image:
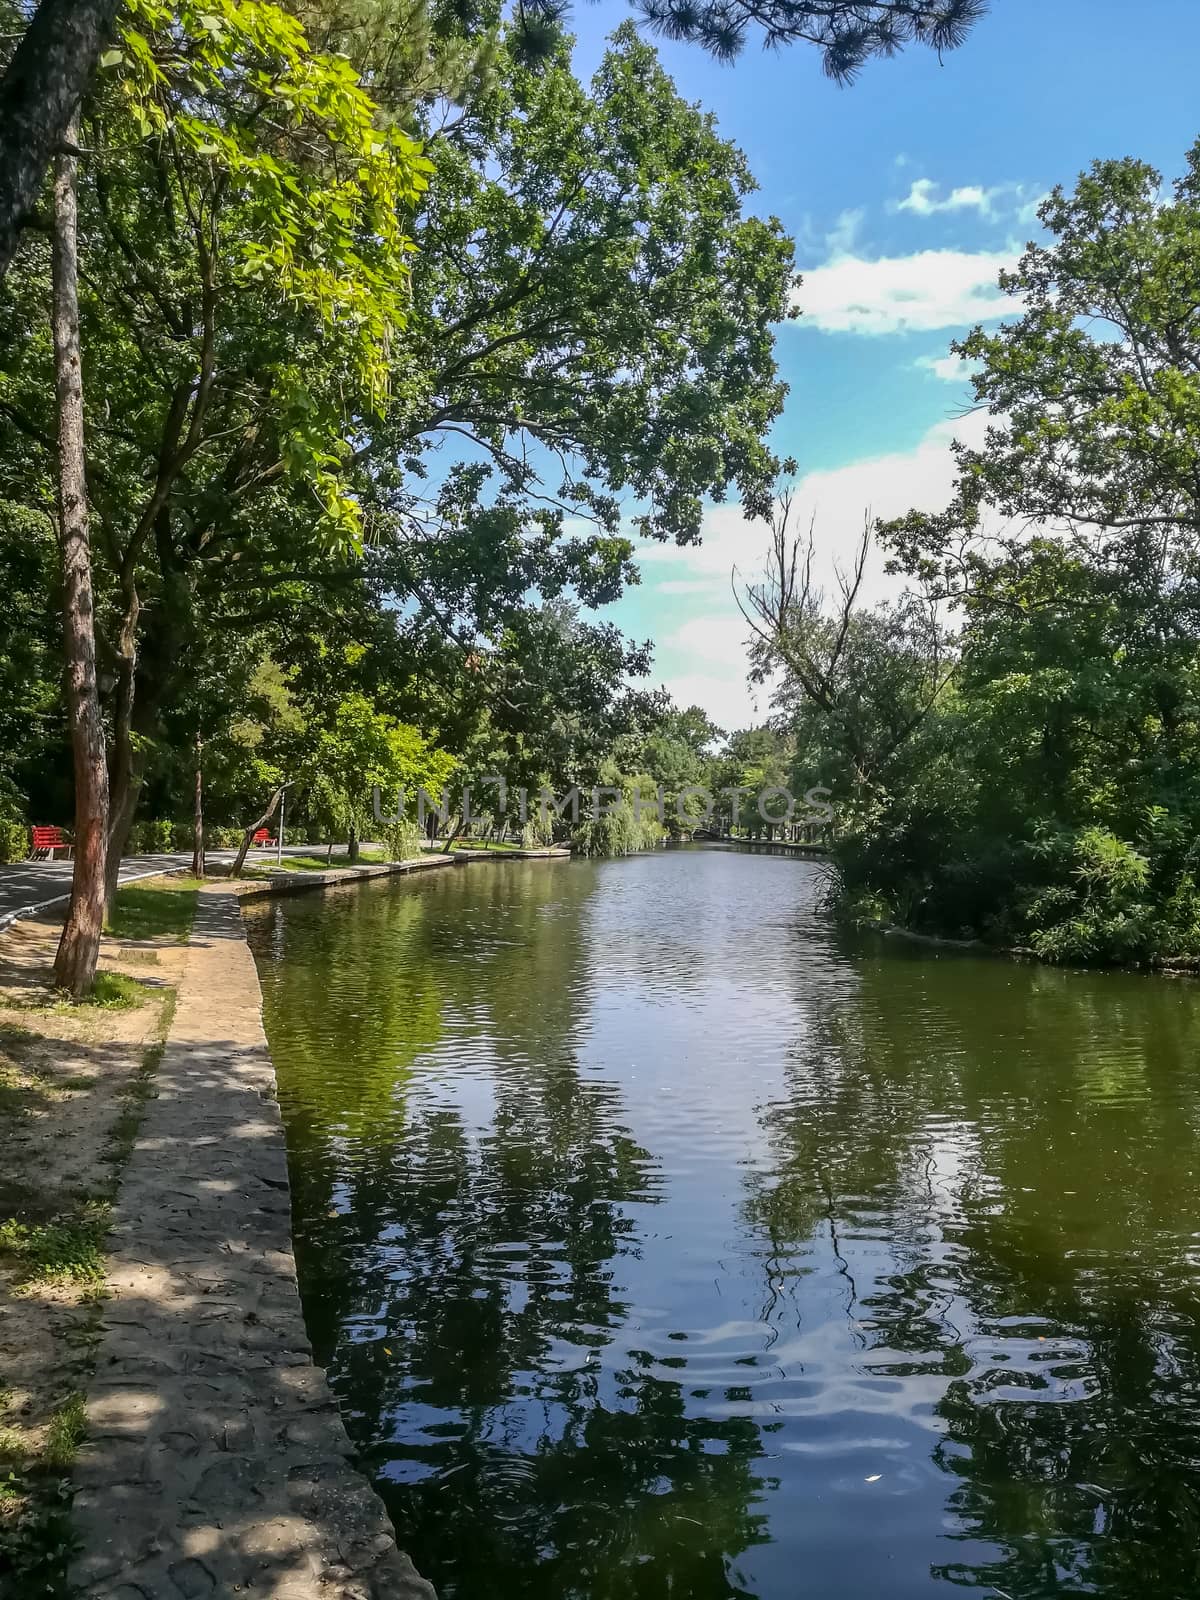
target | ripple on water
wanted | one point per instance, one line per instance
(660, 1244)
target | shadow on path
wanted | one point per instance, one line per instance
(217, 1461)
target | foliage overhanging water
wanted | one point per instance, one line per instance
(660, 1244)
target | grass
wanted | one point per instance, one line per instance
(124, 1130)
(68, 1249)
(65, 1434)
(14, 1091)
(495, 844)
(111, 991)
(155, 910)
(116, 992)
(53, 1249)
(367, 858)
(36, 1537)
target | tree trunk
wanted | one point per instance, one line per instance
(239, 860)
(459, 825)
(127, 764)
(198, 815)
(39, 97)
(352, 844)
(75, 963)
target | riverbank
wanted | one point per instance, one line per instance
(173, 1344)
(1177, 966)
(216, 1458)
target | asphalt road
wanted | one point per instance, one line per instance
(26, 886)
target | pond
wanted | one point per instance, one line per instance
(662, 1243)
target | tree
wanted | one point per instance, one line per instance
(32, 727)
(258, 290)
(846, 32)
(629, 244)
(40, 93)
(1094, 387)
(871, 676)
(1054, 803)
(361, 750)
(594, 311)
(75, 962)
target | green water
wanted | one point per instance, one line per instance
(660, 1245)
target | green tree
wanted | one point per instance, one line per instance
(258, 290)
(1053, 801)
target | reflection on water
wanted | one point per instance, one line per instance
(661, 1246)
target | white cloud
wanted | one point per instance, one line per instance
(837, 498)
(689, 586)
(729, 701)
(904, 294)
(1020, 201)
(922, 199)
(950, 369)
(718, 638)
(1028, 213)
(841, 238)
(702, 659)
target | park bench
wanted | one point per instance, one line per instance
(47, 840)
(263, 839)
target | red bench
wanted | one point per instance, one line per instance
(47, 840)
(263, 838)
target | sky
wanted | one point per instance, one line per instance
(905, 194)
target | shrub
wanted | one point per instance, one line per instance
(151, 839)
(14, 825)
(222, 838)
(401, 839)
(1094, 908)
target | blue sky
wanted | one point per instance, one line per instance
(904, 195)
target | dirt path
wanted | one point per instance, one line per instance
(71, 1082)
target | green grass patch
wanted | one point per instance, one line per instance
(115, 992)
(68, 1249)
(367, 858)
(162, 910)
(36, 1537)
(494, 845)
(15, 1094)
(66, 1432)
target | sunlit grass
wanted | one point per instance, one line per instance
(68, 1249)
(315, 863)
(155, 910)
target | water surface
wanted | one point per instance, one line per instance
(660, 1245)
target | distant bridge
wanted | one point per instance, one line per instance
(717, 841)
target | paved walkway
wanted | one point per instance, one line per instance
(29, 886)
(217, 1460)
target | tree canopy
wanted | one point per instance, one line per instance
(1046, 794)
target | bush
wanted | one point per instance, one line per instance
(1095, 907)
(14, 838)
(151, 839)
(14, 825)
(401, 839)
